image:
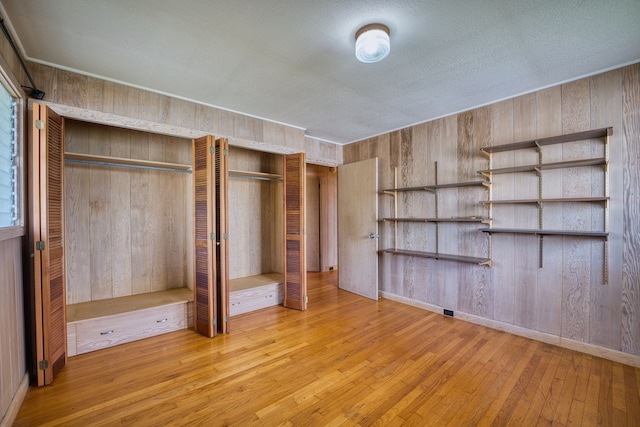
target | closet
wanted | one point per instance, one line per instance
(255, 212)
(128, 222)
(130, 234)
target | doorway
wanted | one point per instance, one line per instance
(321, 217)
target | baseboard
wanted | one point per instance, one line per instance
(14, 407)
(594, 350)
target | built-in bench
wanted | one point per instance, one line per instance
(255, 292)
(100, 324)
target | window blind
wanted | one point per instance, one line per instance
(8, 160)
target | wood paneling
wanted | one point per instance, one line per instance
(87, 98)
(121, 219)
(564, 293)
(255, 215)
(631, 216)
(12, 357)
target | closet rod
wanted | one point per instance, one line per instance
(124, 165)
(259, 178)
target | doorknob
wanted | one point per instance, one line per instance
(374, 236)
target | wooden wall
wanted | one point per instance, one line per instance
(567, 297)
(255, 215)
(93, 99)
(13, 348)
(128, 231)
(12, 353)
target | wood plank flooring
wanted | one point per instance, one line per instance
(346, 361)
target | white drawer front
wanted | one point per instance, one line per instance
(95, 334)
(256, 298)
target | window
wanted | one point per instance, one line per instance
(9, 161)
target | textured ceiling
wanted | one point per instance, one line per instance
(292, 61)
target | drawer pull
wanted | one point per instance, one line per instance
(107, 332)
(162, 320)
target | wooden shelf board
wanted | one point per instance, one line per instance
(125, 161)
(534, 143)
(461, 219)
(439, 256)
(545, 166)
(537, 232)
(109, 307)
(438, 186)
(251, 174)
(242, 283)
(551, 200)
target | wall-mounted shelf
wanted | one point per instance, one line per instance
(550, 200)
(546, 166)
(560, 139)
(433, 188)
(539, 201)
(439, 256)
(482, 220)
(125, 162)
(538, 232)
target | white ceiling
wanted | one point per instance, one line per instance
(292, 61)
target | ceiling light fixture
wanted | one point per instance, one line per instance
(372, 43)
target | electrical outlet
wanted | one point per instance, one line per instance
(448, 312)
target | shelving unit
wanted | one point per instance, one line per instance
(540, 200)
(433, 189)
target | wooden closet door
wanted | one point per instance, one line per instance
(211, 228)
(204, 299)
(295, 268)
(222, 233)
(47, 237)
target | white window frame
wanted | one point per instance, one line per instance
(13, 87)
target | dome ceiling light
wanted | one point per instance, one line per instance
(372, 43)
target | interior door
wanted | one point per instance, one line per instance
(221, 153)
(211, 227)
(47, 239)
(295, 260)
(205, 297)
(358, 228)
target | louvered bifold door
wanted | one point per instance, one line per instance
(48, 242)
(222, 233)
(204, 301)
(295, 277)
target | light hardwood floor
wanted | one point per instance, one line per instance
(345, 361)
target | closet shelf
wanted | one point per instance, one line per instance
(125, 162)
(437, 187)
(479, 219)
(255, 175)
(536, 232)
(545, 166)
(439, 256)
(535, 143)
(550, 200)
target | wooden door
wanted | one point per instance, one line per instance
(358, 228)
(295, 268)
(211, 291)
(221, 165)
(47, 240)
